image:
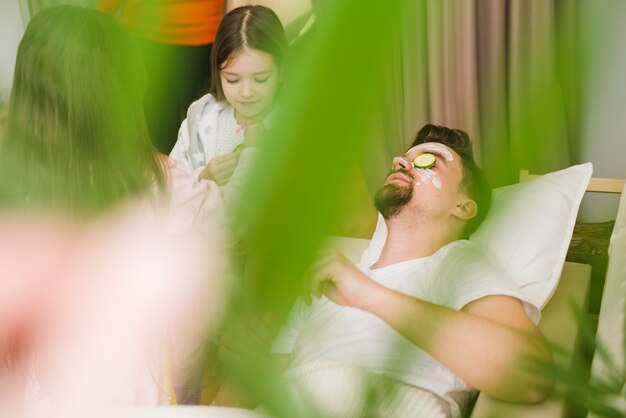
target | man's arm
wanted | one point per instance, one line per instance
(484, 344)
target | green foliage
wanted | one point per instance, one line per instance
(333, 93)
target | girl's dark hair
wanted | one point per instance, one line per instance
(474, 183)
(76, 137)
(254, 27)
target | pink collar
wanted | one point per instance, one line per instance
(243, 125)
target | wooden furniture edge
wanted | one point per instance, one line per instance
(596, 184)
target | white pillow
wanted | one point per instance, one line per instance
(527, 230)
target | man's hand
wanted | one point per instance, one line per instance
(219, 169)
(337, 278)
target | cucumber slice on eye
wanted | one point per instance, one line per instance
(424, 161)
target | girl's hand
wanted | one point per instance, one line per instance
(253, 133)
(219, 169)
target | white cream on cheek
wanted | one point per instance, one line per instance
(435, 178)
(428, 176)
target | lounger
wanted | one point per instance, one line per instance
(559, 324)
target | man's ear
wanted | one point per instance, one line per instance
(465, 208)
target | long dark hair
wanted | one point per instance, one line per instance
(76, 137)
(255, 27)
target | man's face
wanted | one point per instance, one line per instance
(433, 190)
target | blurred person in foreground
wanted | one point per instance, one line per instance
(429, 322)
(110, 260)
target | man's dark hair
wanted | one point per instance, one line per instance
(474, 183)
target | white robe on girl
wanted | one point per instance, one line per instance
(208, 124)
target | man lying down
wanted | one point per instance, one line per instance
(432, 319)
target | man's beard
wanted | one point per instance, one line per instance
(390, 198)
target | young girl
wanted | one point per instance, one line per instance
(246, 61)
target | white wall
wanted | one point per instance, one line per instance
(287, 10)
(11, 30)
(604, 100)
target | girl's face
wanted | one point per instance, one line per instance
(249, 82)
